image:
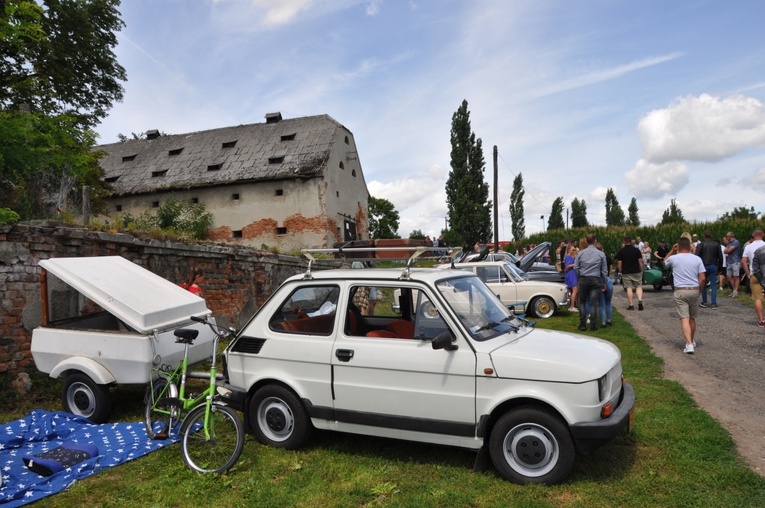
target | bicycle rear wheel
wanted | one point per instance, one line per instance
(216, 450)
(160, 420)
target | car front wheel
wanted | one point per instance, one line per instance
(278, 418)
(532, 445)
(82, 396)
(543, 307)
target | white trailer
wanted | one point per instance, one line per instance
(107, 321)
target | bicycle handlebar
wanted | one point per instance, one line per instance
(223, 332)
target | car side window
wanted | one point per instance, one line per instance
(308, 310)
(491, 274)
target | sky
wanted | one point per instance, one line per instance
(655, 99)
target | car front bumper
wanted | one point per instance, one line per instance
(589, 436)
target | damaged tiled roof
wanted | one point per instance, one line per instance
(274, 150)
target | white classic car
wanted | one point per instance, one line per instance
(106, 320)
(538, 298)
(451, 365)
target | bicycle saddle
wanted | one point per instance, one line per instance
(185, 335)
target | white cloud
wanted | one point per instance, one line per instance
(703, 128)
(651, 180)
(280, 12)
(373, 7)
(758, 179)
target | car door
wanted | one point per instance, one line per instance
(403, 383)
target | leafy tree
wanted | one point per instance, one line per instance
(633, 219)
(614, 212)
(184, 218)
(44, 161)
(383, 218)
(516, 209)
(58, 58)
(556, 215)
(450, 238)
(417, 234)
(673, 214)
(467, 194)
(740, 212)
(579, 213)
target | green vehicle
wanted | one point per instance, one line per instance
(658, 277)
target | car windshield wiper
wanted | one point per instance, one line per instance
(492, 324)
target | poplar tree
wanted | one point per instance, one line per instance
(633, 219)
(579, 213)
(556, 215)
(467, 194)
(516, 209)
(614, 212)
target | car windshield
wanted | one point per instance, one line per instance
(517, 272)
(480, 312)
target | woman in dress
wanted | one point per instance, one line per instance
(572, 281)
(646, 255)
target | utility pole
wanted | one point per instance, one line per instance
(496, 204)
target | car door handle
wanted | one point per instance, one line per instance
(344, 355)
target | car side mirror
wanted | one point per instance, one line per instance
(445, 341)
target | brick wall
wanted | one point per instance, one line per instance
(238, 279)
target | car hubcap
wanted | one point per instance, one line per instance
(275, 419)
(530, 450)
(81, 399)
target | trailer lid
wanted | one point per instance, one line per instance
(143, 300)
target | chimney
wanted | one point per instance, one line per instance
(152, 134)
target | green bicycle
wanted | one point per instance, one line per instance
(212, 434)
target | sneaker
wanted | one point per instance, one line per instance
(640, 305)
(570, 309)
(693, 344)
(609, 324)
(714, 305)
(703, 305)
(734, 294)
(593, 328)
(761, 324)
(630, 307)
(582, 328)
(689, 349)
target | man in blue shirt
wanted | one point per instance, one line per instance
(591, 268)
(733, 271)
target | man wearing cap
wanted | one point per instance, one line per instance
(690, 275)
(661, 252)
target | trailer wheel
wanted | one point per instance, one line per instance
(82, 396)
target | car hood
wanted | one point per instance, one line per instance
(533, 256)
(547, 355)
(143, 300)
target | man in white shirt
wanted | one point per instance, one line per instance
(690, 276)
(746, 263)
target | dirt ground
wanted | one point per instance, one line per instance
(726, 375)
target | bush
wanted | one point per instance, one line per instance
(7, 215)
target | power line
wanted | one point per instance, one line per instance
(524, 187)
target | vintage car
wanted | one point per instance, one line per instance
(538, 298)
(451, 366)
(107, 321)
(529, 267)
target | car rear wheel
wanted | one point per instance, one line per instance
(278, 418)
(532, 445)
(542, 307)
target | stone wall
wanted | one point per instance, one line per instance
(238, 279)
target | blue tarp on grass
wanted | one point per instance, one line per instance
(41, 431)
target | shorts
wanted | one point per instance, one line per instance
(756, 288)
(733, 270)
(632, 280)
(687, 303)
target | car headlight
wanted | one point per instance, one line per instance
(602, 388)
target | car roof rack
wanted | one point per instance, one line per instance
(416, 253)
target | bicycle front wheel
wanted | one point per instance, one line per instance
(215, 448)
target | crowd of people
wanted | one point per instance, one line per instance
(700, 268)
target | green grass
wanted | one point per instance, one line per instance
(677, 456)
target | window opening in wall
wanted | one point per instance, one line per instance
(337, 193)
(155, 174)
(281, 231)
(347, 141)
(353, 173)
(127, 158)
(155, 204)
(214, 167)
(235, 196)
(236, 234)
(276, 160)
(279, 192)
(177, 151)
(112, 179)
(230, 144)
(342, 166)
(195, 200)
(118, 208)
(288, 137)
